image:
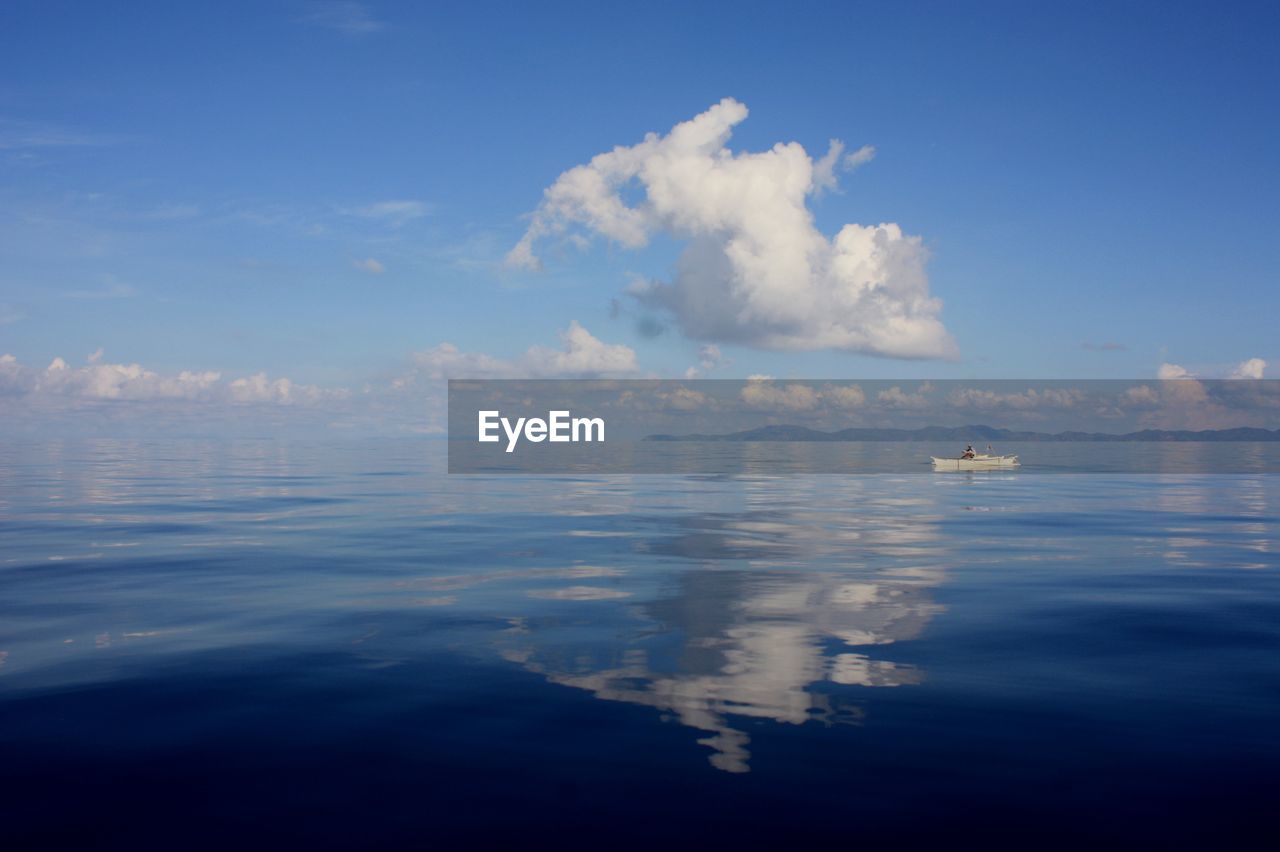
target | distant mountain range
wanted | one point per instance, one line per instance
(975, 434)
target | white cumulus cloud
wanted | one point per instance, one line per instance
(755, 270)
(762, 393)
(1028, 400)
(104, 381)
(1141, 396)
(896, 398)
(1173, 371)
(1251, 369)
(581, 355)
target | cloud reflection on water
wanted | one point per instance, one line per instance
(777, 604)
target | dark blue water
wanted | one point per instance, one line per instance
(264, 643)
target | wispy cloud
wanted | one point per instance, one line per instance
(171, 212)
(709, 358)
(10, 314)
(860, 157)
(17, 134)
(111, 288)
(370, 265)
(394, 213)
(824, 169)
(351, 19)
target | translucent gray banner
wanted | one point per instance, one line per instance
(766, 426)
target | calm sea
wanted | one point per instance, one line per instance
(336, 644)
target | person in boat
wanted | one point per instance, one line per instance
(968, 452)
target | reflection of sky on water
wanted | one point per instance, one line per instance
(720, 603)
(741, 649)
(753, 631)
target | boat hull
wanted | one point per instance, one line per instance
(981, 462)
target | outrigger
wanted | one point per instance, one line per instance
(970, 460)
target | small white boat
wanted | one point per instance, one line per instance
(979, 461)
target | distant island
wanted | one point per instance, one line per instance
(976, 433)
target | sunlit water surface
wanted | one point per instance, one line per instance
(341, 645)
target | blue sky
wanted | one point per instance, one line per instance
(319, 190)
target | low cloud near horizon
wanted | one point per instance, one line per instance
(100, 393)
(581, 356)
(755, 270)
(1253, 368)
(98, 380)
